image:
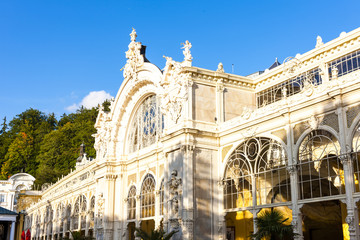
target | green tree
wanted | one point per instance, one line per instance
(21, 143)
(158, 234)
(271, 225)
(5, 141)
(19, 156)
(60, 148)
(4, 126)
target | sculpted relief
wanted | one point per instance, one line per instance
(174, 86)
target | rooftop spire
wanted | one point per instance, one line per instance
(133, 35)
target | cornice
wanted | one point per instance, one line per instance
(212, 78)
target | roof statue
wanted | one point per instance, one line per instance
(133, 35)
(220, 68)
(319, 42)
(187, 54)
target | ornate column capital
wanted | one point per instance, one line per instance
(292, 169)
(345, 158)
(187, 148)
(220, 85)
(111, 176)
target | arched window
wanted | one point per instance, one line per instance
(131, 203)
(237, 189)
(162, 198)
(147, 197)
(261, 161)
(80, 208)
(321, 173)
(272, 179)
(147, 125)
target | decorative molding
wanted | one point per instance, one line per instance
(174, 86)
(313, 122)
(134, 58)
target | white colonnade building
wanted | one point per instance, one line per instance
(205, 151)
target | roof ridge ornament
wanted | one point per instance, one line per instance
(220, 68)
(133, 35)
(187, 54)
(319, 42)
(134, 58)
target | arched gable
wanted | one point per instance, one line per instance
(112, 127)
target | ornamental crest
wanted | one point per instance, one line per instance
(174, 89)
(134, 58)
(292, 66)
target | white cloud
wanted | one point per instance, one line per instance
(72, 108)
(91, 100)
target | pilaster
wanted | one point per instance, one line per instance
(346, 160)
(109, 195)
(220, 100)
(188, 191)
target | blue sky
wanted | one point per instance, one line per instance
(55, 53)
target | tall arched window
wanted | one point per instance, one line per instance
(147, 125)
(237, 191)
(80, 212)
(147, 197)
(60, 214)
(131, 207)
(68, 217)
(321, 173)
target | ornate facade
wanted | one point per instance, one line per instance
(203, 151)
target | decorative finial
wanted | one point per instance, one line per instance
(133, 35)
(220, 68)
(319, 42)
(186, 46)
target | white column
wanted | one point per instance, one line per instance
(166, 192)
(109, 195)
(137, 212)
(346, 160)
(12, 231)
(188, 192)
(157, 209)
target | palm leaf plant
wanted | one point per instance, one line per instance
(271, 225)
(157, 234)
